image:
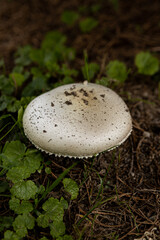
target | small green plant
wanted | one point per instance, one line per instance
(96, 7)
(117, 71)
(69, 17)
(89, 70)
(19, 163)
(146, 63)
(86, 25)
(71, 187)
(93, 69)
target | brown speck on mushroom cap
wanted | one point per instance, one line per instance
(101, 121)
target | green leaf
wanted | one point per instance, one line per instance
(146, 63)
(71, 187)
(14, 106)
(10, 235)
(32, 160)
(6, 86)
(57, 229)
(115, 4)
(22, 223)
(117, 70)
(43, 220)
(20, 116)
(64, 203)
(43, 238)
(20, 207)
(54, 209)
(35, 87)
(37, 56)
(103, 81)
(69, 17)
(67, 71)
(17, 78)
(12, 153)
(24, 163)
(65, 237)
(24, 190)
(5, 101)
(52, 39)
(22, 56)
(5, 222)
(41, 189)
(2, 63)
(93, 69)
(16, 174)
(88, 24)
(48, 170)
(96, 7)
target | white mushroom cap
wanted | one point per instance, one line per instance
(77, 120)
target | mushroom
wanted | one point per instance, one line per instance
(77, 120)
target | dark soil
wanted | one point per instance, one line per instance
(133, 206)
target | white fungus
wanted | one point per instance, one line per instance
(77, 120)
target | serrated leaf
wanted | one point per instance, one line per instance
(146, 63)
(41, 189)
(10, 235)
(20, 207)
(12, 153)
(57, 229)
(117, 70)
(43, 220)
(22, 223)
(64, 203)
(88, 24)
(24, 190)
(32, 160)
(71, 187)
(16, 174)
(54, 209)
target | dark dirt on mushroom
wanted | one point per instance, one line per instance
(136, 173)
